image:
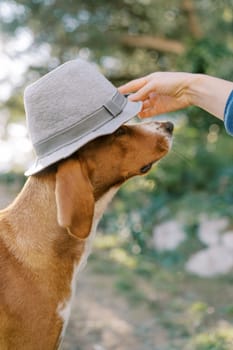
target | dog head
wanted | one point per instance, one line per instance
(106, 163)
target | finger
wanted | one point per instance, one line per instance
(132, 86)
(146, 104)
(144, 114)
(147, 113)
(143, 93)
(151, 108)
(148, 108)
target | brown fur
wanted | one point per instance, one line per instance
(42, 233)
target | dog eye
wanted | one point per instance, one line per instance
(146, 168)
(121, 131)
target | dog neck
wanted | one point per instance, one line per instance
(36, 234)
(34, 227)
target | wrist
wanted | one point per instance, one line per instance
(209, 93)
(194, 88)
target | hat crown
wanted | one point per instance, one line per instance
(64, 97)
(69, 107)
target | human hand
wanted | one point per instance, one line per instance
(161, 92)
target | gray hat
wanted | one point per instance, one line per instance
(69, 107)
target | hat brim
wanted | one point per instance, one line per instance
(131, 110)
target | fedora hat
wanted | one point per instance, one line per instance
(70, 106)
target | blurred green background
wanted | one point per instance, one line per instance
(191, 188)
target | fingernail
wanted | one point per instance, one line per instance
(131, 97)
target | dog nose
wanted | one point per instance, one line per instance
(169, 127)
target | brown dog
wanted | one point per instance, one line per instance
(45, 235)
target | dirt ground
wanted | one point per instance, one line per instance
(101, 319)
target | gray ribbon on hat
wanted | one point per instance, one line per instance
(110, 110)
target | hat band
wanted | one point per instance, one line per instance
(110, 110)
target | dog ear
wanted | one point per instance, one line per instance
(74, 198)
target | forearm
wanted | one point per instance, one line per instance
(209, 93)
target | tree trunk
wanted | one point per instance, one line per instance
(193, 20)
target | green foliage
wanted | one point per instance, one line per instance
(10, 179)
(195, 178)
(197, 175)
(96, 29)
(219, 340)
